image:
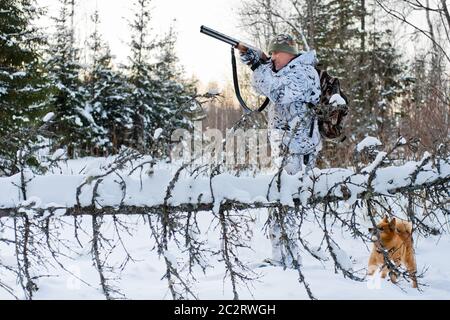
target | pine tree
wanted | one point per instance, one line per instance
(376, 78)
(366, 62)
(172, 91)
(107, 96)
(317, 25)
(22, 79)
(142, 94)
(73, 122)
(341, 36)
(157, 88)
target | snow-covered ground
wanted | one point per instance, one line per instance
(142, 277)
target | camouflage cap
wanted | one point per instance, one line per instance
(284, 43)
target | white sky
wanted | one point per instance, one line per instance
(199, 54)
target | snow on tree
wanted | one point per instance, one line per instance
(170, 199)
(173, 91)
(106, 97)
(22, 78)
(157, 90)
(142, 81)
(73, 123)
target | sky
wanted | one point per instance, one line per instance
(199, 54)
(206, 58)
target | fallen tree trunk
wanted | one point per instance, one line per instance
(170, 200)
(340, 191)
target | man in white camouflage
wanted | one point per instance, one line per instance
(292, 84)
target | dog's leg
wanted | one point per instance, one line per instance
(412, 275)
(411, 267)
(371, 269)
(384, 272)
(409, 261)
(374, 262)
(393, 276)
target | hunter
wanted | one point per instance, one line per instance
(292, 84)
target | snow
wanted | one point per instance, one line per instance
(402, 141)
(150, 190)
(78, 122)
(171, 258)
(59, 153)
(341, 256)
(10, 193)
(86, 113)
(336, 99)
(143, 277)
(157, 133)
(48, 117)
(19, 74)
(57, 189)
(214, 91)
(373, 165)
(32, 201)
(368, 142)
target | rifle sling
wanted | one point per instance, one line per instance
(238, 91)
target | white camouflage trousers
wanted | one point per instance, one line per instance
(283, 235)
(286, 236)
(292, 162)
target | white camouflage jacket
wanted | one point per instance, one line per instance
(290, 90)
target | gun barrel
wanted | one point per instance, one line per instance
(219, 36)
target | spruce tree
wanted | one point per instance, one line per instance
(73, 122)
(157, 90)
(22, 78)
(349, 45)
(172, 90)
(107, 97)
(142, 82)
(375, 78)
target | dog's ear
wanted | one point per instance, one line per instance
(392, 224)
(386, 218)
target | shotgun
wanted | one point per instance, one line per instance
(236, 44)
(233, 42)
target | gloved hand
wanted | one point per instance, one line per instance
(251, 57)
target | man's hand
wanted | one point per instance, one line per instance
(251, 56)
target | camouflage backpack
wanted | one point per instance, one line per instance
(331, 116)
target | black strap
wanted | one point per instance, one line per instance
(306, 159)
(311, 128)
(236, 86)
(264, 105)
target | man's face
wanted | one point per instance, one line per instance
(281, 59)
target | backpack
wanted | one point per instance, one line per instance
(330, 117)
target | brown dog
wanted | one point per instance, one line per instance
(395, 236)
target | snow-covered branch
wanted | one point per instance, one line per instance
(78, 194)
(170, 196)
